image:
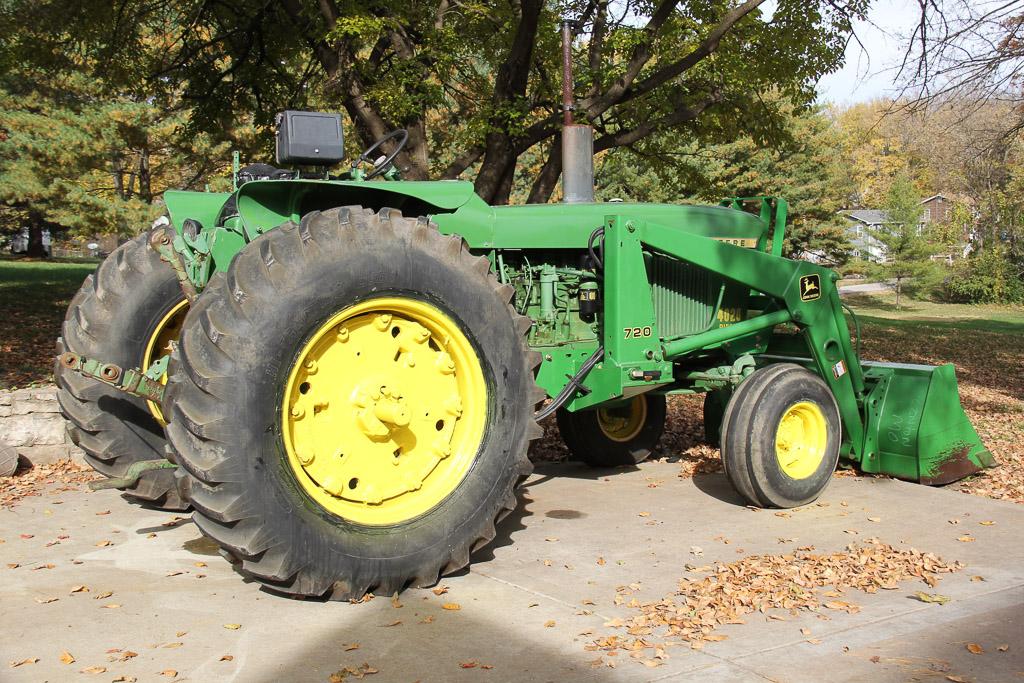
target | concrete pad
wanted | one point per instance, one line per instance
(525, 605)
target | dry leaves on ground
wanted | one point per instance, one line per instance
(352, 672)
(31, 481)
(759, 583)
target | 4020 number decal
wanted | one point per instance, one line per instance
(632, 332)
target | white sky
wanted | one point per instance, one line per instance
(869, 71)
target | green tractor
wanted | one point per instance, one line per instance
(342, 377)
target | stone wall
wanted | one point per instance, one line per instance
(31, 422)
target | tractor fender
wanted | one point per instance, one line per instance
(265, 204)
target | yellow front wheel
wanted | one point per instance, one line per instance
(353, 406)
(781, 436)
(624, 433)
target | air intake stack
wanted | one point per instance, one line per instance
(577, 140)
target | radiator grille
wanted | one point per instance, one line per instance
(684, 295)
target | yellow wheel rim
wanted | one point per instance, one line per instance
(159, 344)
(801, 439)
(384, 411)
(622, 423)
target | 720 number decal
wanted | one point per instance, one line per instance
(634, 332)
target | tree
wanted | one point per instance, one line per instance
(476, 85)
(907, 251)
(79, 158)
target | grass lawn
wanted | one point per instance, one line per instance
(33, 297)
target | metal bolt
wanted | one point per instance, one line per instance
(297, 412)
(382, 321)
(343, 334)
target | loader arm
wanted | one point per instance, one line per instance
(902, 420)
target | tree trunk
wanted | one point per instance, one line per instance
(145, 183)
(547, 179)
(35, 237)
(899, 283)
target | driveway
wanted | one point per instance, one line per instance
(137, 594)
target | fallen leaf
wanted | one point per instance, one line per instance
(395, 602)
(15, 664)
(975, 649)
(93, 670)
(179, 634)
(440, 590)
(814, 641)
(805, 631)
(550, 623)
(173, 646)
(199, 564)
(931, 597)
(13, 565)
(28, 536)
(716, 637)
(696, 551)
(112, 605)
(987, 522)
(46, 601)
(1003, 648)
(643, 514)
(351, 646)
(783, 514)
(66, 657)
(551, 539)
(124, 679)
(601, 561)
(44, 566)
(170, 673)
(232, 627)
(397, 622)
(874, 519)
(956, 679)
(471, 664)
(228, 658)
(104, 544)
(102, 596)
(977, 578)
(103, 512)
(80, 589)
(453, 606)
(486, 666)
(966, 539)
(427, 619)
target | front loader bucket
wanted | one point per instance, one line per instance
(916, 427)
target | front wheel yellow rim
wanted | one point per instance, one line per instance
(801, 439)
(384, 411)
(159, 345)
(624, 422)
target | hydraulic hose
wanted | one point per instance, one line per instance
(569, 390)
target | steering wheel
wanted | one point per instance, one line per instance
(382, 165)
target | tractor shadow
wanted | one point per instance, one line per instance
(717, 486)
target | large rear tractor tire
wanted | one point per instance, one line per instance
(623, 434)
(352, 403)
(780, 436)
(126, 313)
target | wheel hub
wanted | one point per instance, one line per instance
(801, 439)
(159, 344)
(623, 423)
(373, 420)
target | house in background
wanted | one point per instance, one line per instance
(936, 209)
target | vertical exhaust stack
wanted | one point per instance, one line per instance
(577, 140)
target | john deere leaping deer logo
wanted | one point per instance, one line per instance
(810, 287)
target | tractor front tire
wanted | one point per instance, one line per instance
(780, 436)
(352, 403)
(131, 301)
(624, 434)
